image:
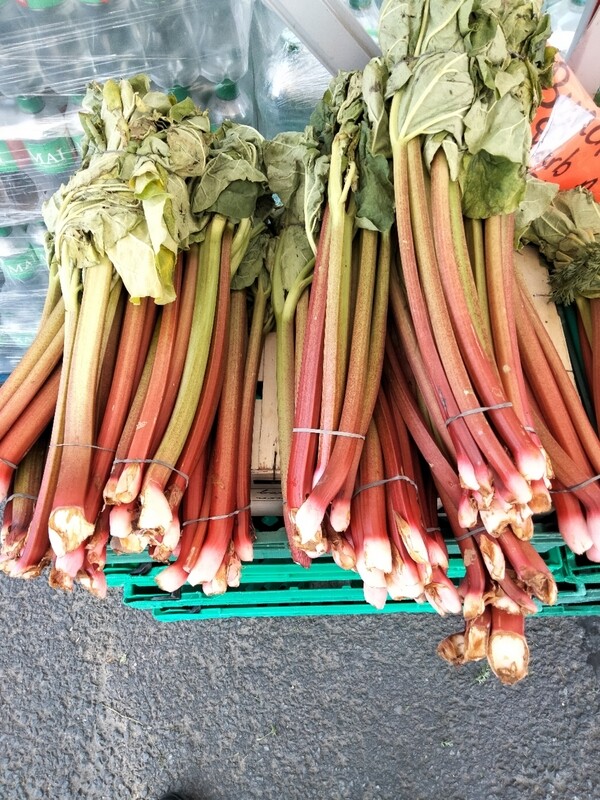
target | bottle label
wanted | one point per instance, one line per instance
(7, 160)
(20, 267)
(36, 5)
(51, 156)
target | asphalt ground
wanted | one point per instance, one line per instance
(103, 703)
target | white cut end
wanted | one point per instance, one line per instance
(508, 656)
(68, 528)
(129, 483)
(156, 513)
(171, 578)
(375, 596)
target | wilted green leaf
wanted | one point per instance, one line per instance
(538, 198)
(491, 185)
(375, 195)
(252, 263)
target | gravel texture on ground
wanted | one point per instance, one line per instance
(103, 703)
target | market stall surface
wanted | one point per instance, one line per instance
(103, 703)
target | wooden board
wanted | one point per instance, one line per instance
(535, 273)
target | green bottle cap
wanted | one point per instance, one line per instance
(180, 92)
(227, 90)
(38, 5)
(359, 5)
(30, 105)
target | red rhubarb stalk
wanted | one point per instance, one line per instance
(130, 479)
(304, 444)
(243, 536)
(365, 366)
(27, 430)
(222, 476)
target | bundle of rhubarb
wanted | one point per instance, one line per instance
(444, 122)
(152, 248)
(566, 228)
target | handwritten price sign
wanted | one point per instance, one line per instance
(566, 135)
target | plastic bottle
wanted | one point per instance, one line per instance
(114, 37)
(47, 143)
(367, 13)
(224, 39)
(19, 67)
(169, 33)
(230, 101)
(200, 93)
(73, 123)
(292, 81)
(36, 234)
(18, 195)
(61, 45)
(21, 296)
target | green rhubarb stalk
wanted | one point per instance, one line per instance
(474, 231)
(300, 333)
(209, 398)
(214, 256)
(68, 526)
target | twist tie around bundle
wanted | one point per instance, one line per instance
(479, 410)
(89, 446)
(435, 529)
(329, 433)
(384, 481)
(22, 495)
(9, 463)
(577, 486)
(160, 463)
(216, 517)
(469, 534)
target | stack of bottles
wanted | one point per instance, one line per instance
(222, 53)
(23, 287)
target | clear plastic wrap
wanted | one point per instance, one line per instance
(63, 44)
(23, 286)
(288, 79)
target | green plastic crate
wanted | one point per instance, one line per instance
(273, 586)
